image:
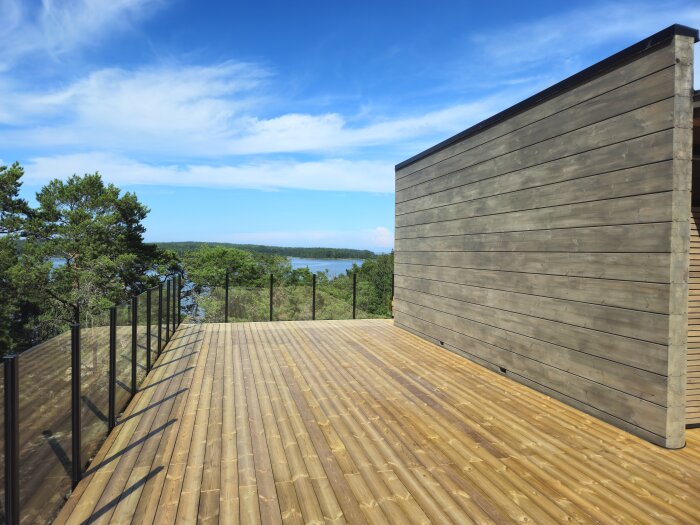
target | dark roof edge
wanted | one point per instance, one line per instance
(658, 39)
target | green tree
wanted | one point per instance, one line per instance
(84, 249)
(207, 267)
(15, 310)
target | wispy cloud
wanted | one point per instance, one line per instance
(326, 174)
(202, 111)
(563, 43)
(211, 124)
(61, 26)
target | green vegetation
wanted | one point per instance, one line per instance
(182, 248)
(249, 282)
(80, 250)
(94, 231)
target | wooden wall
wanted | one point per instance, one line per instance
(551, 243)
(692, 407)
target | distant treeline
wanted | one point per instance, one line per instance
(309, 253)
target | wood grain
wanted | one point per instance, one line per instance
(363, 422)
(556, 242)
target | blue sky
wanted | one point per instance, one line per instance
(279, 122)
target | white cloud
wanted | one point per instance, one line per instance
(209, 111)
(561, 42)
(326, 175)
(62, 26)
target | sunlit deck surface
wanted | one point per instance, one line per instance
(361, 422)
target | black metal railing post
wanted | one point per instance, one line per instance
(160, 318)
(313, 297)
(148, 330)
(226, 283)
(179, 300)
(11, 369)
(134, 340)
(167, 311)
(76, 462)
(112, 387)
(391, 301)
(173, 317)
(272, 280)
(354, 294)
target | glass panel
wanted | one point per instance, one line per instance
(141, 338)
(154, 325)
(210, 305)
(249, 304)
(2, 441)
(292, 302)
(334, 297)
(373, 298)
(45, 428)
(123, 388)
(94, 378)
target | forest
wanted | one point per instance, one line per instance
(181, 248)
(81, 250)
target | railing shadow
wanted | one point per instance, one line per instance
(58, 450)
(128, 491)
(174, 360)
(106, 461)
(152, 405)
(95, 410)
(165, 379)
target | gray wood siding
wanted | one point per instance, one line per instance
(553, 246)
(693, 382)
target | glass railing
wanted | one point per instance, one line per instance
(45, 415)
(345, 297)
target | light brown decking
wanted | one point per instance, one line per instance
(359, 421)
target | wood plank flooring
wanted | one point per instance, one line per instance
(361, 422)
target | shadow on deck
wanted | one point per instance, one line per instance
(361, 422)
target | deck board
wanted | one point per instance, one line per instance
(362, 422)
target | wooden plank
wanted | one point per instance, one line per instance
(640, 354)
(646, 326)
(638, 267)
(649, 297)
(643, 238)
(628, 210)
(496, 195)
(378, 425)
(614, 79)
(648, 119)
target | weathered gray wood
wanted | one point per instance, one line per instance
(593, 113)
(643, 121)
(648, 326)
(621, 76)
(680, 239)
(647, 297)
(641, 267)
(555, 244)
(635, 152)
(451, 329)
(638, 209)
(490, 196)
(637, 411)
(646, 355)
(630, 238)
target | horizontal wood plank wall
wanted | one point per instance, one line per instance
(693, 371)
(549, 246)
(693, 386)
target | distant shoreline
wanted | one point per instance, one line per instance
(285, 251)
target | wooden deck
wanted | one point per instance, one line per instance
(361, 422)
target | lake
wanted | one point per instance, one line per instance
(334, 266)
